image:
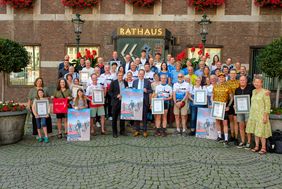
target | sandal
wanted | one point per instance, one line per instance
(256, 149)
(262, 151)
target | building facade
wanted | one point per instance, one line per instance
(238, 30)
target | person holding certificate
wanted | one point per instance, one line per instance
(41, 111)
(95, 90)
(180, 97)
(115, 93)
(258, 122)
(233, 84)
(244, 89)
(196, 97)
(62, 91)
(163, 91)
(222, 93)
(38, 84)
(145, 85)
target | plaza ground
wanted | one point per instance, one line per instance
(128, 162)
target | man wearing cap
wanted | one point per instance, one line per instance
(222, 93)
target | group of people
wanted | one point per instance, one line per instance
(161, 79)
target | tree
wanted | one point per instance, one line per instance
(270, 62)
(13, 58)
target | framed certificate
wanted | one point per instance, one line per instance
(42, 107)
(83, 77)
(242, 104)
(74, 90)
(98, 96)
(200, 97)
(157, 106)
(218, 110)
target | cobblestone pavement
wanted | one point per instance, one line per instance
(127, 162)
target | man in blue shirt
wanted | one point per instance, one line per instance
(174, 73)
(200, 71)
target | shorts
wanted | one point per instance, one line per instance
(60, 116)
(166, 106)
(242, 117)
(100, 111)
(183, 111)
(41, 122)
(231, 111)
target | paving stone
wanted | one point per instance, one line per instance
(127, 162)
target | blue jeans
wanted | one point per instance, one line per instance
(41, 122)
(194, 112)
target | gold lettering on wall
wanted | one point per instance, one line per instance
(151, 32)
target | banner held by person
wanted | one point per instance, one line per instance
(131, 104)
(205, 124)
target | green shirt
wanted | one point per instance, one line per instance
(33, 93)
(58, 94)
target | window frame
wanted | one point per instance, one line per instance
(39, 67)
(209, 47)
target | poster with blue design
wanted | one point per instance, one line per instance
(131, 104)
(206, 127)
(78, 125)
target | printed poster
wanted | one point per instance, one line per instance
(78, 125)
(131, 104)
(206, 127)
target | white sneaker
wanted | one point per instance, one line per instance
(110, 118)
(98, 124)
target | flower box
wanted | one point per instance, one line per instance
(142, 3)
(202, 5)
(18, 4)
(268, 3)
(80, 3)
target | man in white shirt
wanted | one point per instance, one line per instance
(95, 108)
(143, 58)
(148, 73)
(88, 68)
(107, 77)
(126, 66)
(133, 70)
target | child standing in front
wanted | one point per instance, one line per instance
(40, 121)
(80, 101)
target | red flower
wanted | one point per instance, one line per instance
(207, 55)
(17, 3)
(94, 52)
(5, 108)
(201, 46)
(78, 55)
(181, 56)
(200, 52)
(193, 49)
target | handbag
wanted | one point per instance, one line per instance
(60, 105)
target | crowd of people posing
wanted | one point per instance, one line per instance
(161, 79)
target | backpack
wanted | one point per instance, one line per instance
(274, 143)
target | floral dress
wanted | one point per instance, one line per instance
(260, 105)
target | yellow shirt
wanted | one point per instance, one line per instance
(221, 92)
(233, 84)
(193, 78)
